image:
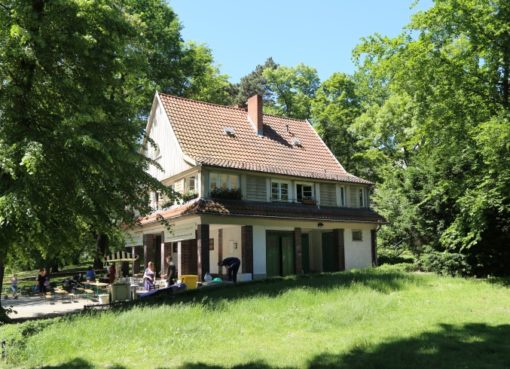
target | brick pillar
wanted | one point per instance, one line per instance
(298, 257)
(220, 250)
(373, 245)
(202, 250)
(149, 249)
(189, 260)
(247, 249)
(338, 241)
(166, 250)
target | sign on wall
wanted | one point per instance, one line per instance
(180, 233)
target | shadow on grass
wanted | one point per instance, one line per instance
(476, 346)
(500, 281)
(80, 363)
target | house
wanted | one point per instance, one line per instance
(262, 188)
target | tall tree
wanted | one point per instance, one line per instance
(433, 98)
(334, 110)
(255, 83)
(292, 90)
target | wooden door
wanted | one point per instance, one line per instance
(305, 252)
(287, 249)
(329, 253)
(273, 258)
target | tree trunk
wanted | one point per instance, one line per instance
(101, 249)
(3, 313)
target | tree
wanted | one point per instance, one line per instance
(432, 100)
(255, 83)
(71, 103)
(292, 90)
(334, 110)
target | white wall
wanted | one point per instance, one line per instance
(172, 158)
(358, 254)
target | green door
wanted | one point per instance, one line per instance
(305, 252)
(280, 257)
(273, 262)
(287, 245)
(329, 254)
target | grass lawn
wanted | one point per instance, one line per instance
(360, 319)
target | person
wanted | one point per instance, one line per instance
(171, 271)
(232, 264)
(14, 286)
(149, 277)
(111, 273)
(42, 281)
(90, 275)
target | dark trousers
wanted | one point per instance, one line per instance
(232, 272)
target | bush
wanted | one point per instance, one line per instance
(445, 263)
(399, 267)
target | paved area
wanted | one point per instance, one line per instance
(36, 306)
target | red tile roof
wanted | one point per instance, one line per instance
(240, 208)
(199, 128)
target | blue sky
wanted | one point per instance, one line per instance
(320, 33)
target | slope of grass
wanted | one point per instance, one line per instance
(361, 319)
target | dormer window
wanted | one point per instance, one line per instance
(279, 190)
(223, 181)
(304, 191)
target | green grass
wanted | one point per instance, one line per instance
(362, 319)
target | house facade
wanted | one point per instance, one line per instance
(262, 188)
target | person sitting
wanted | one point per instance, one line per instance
(232, 264)
(90, 275)
(149, 277)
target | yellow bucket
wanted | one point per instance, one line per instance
(190, 280)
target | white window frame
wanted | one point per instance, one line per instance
(189, 180)
(216, 178)
(280, 183)
(361, 197)
(312, 197)
(354, 231)
(342, 195)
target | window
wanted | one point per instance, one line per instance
(304, 192)
(361, 198)
(279, 191)
(342, 196)
(223, 181)
(357, 235)
(192, 183)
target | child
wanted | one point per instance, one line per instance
(14, 286)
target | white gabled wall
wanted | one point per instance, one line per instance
(171, 159)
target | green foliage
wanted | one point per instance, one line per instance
(434, 129)
(445, 263)
(292, 90)
(255, 83)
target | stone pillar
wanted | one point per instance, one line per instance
(220, 250)
(247, 249)
(136, 251)
(166, 250)
(202, 250)
(179, 258)
(338, 242)
(298, 256)
(373, 245)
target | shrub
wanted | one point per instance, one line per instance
(225, 193)
(445, 263)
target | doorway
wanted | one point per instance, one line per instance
(280, 259)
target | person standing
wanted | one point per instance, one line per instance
(232, 264)
(149, 277)
(171, 271)
(112, 271)
(42, 281)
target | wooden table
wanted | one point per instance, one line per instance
(97, 285)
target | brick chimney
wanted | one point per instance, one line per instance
(255, 113)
